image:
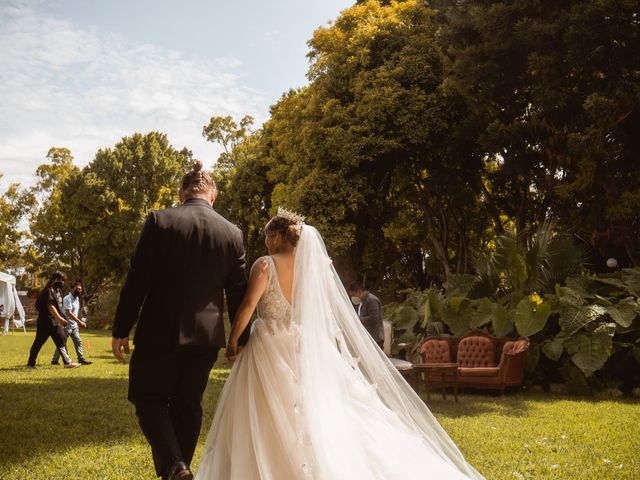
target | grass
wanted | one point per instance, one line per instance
(62, 424)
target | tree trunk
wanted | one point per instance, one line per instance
(493, 209)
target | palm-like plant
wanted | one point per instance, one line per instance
(547, 259)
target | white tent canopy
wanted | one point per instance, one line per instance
(11, 303)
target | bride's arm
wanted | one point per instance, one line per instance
(258, 279)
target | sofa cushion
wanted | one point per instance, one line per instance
(478, 371)
(435, 351)
(476, 352)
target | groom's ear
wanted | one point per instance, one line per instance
(214, 195)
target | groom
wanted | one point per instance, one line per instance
(185, 258)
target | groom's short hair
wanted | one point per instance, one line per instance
(197, 180)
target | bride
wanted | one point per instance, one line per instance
(312, 396)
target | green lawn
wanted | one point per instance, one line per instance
(77, 424)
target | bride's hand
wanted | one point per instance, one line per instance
(233, 350)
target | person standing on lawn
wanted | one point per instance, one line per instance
(71, 310)
(187, 260)
(50, 321)
(369, 308)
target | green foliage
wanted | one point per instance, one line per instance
(555, 90)
(581, 326)
(86, 221)
(241, 174)
(54, 237)
(14, 204)
(410, 149)
(531, 317)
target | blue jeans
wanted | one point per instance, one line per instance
(74, 333)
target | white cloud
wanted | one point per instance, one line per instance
(65, 85)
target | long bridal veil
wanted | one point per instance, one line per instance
(331, 336)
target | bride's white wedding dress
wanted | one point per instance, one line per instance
(313, 397)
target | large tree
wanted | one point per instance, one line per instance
(89, 218)
(244, 191)
(55, 238)
(14, 205)
(371, 147)
(557, 87)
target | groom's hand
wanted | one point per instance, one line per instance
(232, 352)
(118, 345)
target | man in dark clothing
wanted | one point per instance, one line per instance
(51, 321)
(369, 310)
(186, 260)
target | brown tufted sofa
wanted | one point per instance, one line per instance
(484, 361)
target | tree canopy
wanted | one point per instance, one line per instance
(426, 131)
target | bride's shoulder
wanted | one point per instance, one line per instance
(261, 266)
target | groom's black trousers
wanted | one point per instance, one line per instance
(166, 388)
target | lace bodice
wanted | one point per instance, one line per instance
(273, 308)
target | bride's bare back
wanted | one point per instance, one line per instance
(284, 263)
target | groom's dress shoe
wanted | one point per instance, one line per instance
(180, 471)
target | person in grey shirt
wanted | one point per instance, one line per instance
(71, 310)
(369, 308)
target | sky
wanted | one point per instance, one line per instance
(82, 74)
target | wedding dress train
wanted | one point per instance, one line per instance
(313, 397)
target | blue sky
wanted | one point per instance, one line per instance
(83, 73)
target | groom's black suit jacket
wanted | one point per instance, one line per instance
(186, 257)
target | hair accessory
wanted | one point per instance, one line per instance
(289, 215)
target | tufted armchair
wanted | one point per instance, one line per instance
(436, 350)
(484, 361)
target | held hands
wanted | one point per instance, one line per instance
(233, 350)
(62, 322)
(118, 345)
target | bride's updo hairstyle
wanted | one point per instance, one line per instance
(289, 229)
(197, 181)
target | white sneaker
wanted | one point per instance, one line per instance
(71, 365)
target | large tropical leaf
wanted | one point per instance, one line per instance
(553, 348)
(501, 323)
(589, 352)
(575, 379)
(631, 278)
(537, 250)
(624, 312)
(456, 303)
(456, 320)
(564, 258)
(426, 314)
(460, 283)
(569, 296)
(487, 278)
(573, 318)
(508, 259)
(483, 314)
(404, 317)
(530, 318)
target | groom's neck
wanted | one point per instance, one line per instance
(204, 197)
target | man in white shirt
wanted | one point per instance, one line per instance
(71, 310)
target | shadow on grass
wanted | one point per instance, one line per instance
(61, 413)
(516, 404)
